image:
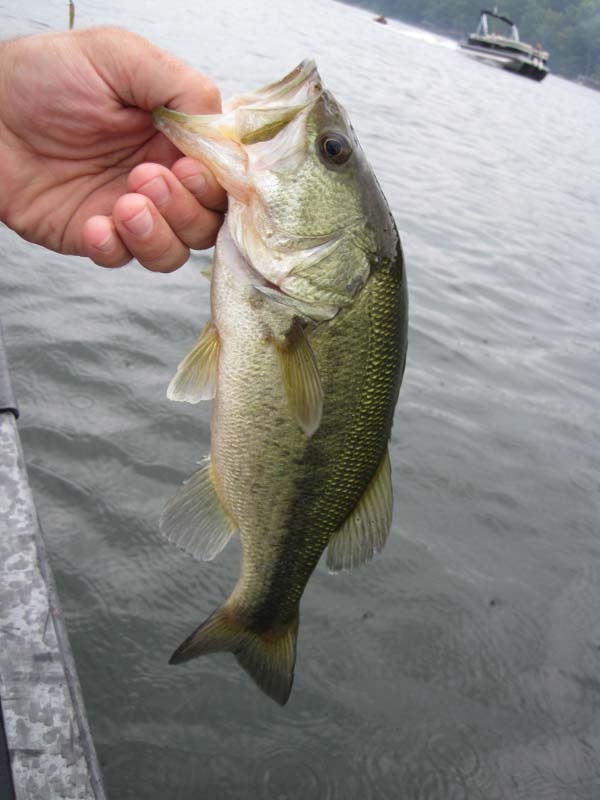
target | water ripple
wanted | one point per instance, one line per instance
(462, 662)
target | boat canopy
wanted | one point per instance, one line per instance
(483, 29)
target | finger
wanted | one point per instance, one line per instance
(145, 76)
(147, 235)
(102, 243)
(201, 183)
(194, 225)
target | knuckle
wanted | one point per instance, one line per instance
(112, 31)
(189, 221)
(100, 34)
(212, 95)
(205, 241)
(170, 255)
(112, 262)
(201, 232)
(142, 173)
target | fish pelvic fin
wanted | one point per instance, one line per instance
(267, 656)
(366, 529)
(195, 520)
(196, 376)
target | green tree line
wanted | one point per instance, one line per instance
(568, 29)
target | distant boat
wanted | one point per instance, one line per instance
(504, 48)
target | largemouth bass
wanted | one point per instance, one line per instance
(303, 357)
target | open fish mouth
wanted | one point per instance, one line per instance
(288, 91)
(247, 118)
(219, 140)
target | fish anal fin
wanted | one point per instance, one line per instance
(196, 376)
(301, 379)
(267, 656)
(366, 529)
(194, 518)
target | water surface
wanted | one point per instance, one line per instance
(464, 662)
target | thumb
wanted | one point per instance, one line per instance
(144, 76)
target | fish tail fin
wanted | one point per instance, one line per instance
(267, 656)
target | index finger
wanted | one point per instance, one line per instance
(144, 76)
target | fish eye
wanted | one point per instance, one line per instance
(334, 148)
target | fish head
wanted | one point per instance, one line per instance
(222, 140)
(305, 209)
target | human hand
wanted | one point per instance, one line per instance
(82, 168)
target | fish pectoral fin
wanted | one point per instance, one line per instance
(301, 379)
(196, 376)
(268, 657)
(366, 529)
(194, 518)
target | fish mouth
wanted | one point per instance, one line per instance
(219, 140)
(283, 91)
(252, 117)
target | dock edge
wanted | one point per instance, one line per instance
(48, 743)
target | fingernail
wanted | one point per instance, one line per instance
(141, 224)
(157, 190)
(106, 244)
(195, 183)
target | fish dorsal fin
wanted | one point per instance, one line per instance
(365, 531)
(194, 518)
(301, 380)
(196, 376)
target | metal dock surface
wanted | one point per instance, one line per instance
(46, 750)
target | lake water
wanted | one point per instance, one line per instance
(464, 662)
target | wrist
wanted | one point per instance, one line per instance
(7, 155)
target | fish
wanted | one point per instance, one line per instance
(302, 357)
